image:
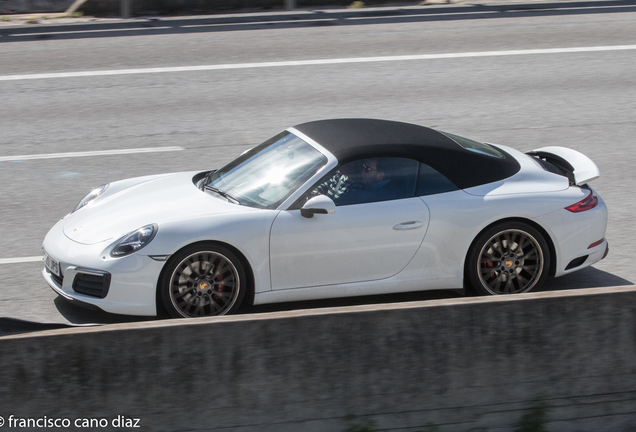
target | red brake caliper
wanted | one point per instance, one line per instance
(219, 288)
(488, 265)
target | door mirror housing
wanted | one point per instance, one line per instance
(320, 204)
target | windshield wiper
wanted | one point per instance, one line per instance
(203, 182)
(225, 195)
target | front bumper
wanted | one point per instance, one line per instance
(55, 285)
(92, 278)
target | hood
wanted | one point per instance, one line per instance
(150, 200)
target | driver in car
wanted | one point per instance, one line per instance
(375, 182)
(347, 178)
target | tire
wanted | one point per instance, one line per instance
(202, 280)
(507, 258)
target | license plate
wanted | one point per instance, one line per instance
(52, 265)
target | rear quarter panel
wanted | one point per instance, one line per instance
(457, 218)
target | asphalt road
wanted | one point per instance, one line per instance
(556, 95)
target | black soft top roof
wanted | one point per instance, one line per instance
(351, 139)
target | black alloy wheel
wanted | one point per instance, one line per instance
(201, 281)
(508, 258)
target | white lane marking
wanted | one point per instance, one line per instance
(90, 153)
(256, 23)
(405, 17)
(87, 31)
(20, 260)
(483, 12)
(316, 62)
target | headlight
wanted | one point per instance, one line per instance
(90, 197)
(134, 241)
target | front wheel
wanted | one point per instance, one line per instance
(508, 258)
(202, 280)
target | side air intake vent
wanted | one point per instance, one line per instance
(91, 282)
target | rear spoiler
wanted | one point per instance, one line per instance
(577, 167)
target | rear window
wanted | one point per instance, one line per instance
(475, 146)
(431, 182)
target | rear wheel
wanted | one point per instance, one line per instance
(202, 280)
(508, 258)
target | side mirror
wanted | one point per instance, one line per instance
(320, 204)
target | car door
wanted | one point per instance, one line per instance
(372, 235)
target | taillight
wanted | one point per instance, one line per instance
(596, 243)
(588, 203)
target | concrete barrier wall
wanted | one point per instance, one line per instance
(112, 7)
(33, 6)
(472, 364)
(105, 7)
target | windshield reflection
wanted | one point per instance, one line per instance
(268, 174)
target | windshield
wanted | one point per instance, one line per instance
(266, 175)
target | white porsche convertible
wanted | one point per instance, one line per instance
(331, 208)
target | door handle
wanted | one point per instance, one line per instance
(408, 225)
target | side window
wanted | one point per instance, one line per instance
(370, 180)
(431, 182)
